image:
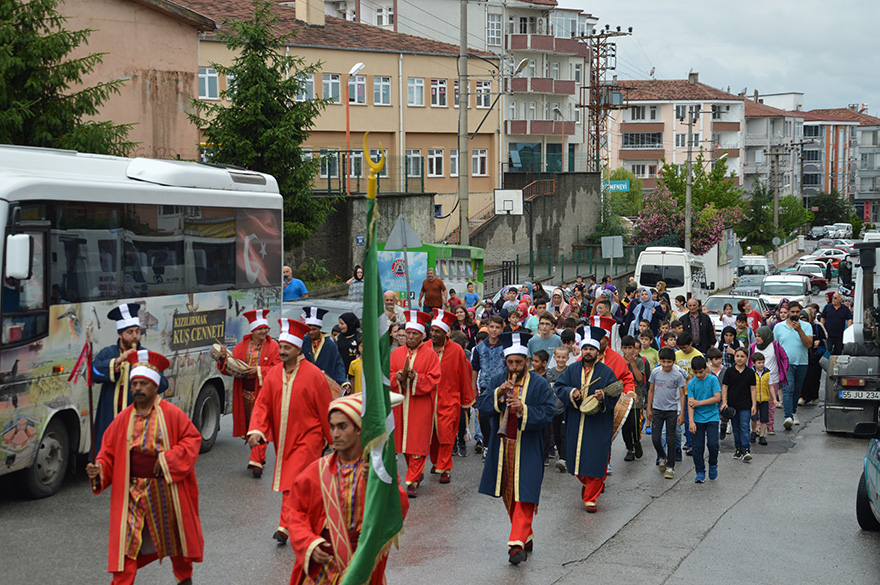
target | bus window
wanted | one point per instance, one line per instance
(24, 302)
(469, 271)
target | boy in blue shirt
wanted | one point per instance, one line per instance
(704, 394)
(471, 299)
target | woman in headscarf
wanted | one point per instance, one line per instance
(527, 289)
(780, 315)
(349, 337)
(558, 307)
(644, 307)
(356, 285)
(664, 294)
(667, 313)
(776, 361)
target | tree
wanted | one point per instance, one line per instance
(627, 204)
(756, 228)
(659, 218)
(831, 208)
(611, 224)
(38, 103)
(713, 187)
(264, 127)
(792, 215)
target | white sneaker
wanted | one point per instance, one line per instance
(669, 473)
(560, 465)
(662, 465)
(608, 471)
(796, 421)
(787, 424)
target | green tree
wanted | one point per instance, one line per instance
(42, 100)
(831, 208)
(264, 127)
(611, 225)
(792, 215)
(628, 204)
(712, 184)
(756, 228)
(857, 223)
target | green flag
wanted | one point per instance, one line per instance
(383, 517)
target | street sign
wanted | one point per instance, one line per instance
(776, 241)
(360, 240)
(402, 236)
(618, 186)
(612, 247)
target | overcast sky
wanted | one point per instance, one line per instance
(827, 50)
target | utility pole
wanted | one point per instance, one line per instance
(692, 113)
(463, 158)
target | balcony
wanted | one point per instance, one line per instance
(543, 85)
(644, 153)
(539, 127)
(546, 44)
(725, 126)
(731, 152)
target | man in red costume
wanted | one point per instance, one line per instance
(327, 513)
(455, 392)
(260, 353)
(148, 455)
(415, 373)
(291, 411)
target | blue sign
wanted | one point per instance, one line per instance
(622, 186)
(360, 240)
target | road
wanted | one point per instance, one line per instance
(789, 514)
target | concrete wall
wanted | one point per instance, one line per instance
(575, 202)
(336, 241)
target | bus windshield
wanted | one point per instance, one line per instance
(651, 274)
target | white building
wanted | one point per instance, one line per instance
(773, 140)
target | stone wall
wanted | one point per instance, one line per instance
(336, 242)
(575, 202)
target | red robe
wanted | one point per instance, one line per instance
(308, 517)
(455, 392)
(180, 446)
(268, 359)
(413, 419)
(294, 418)
(615, 361)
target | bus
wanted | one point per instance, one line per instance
(194, 245)
(456, 266)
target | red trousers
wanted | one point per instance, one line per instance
(521, 514)
(441, 454)
(182, 567)
(592, 487)
(258, 456)
(415, 468)
(286, 509)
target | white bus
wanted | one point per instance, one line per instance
(195, 245)
(683, 273)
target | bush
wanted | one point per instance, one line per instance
(312, 270)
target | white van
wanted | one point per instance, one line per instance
(843, 230)
(753, 264)
(683, 273)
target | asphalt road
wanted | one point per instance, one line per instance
(789, 515)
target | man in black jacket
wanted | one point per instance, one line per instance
(699, 325)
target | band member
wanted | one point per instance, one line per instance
(111, 369)
(455, 392)
(324, 353)
(260, 353)
(148, 457)
(519, 405)
(588, 436)
(415, 373)
(328, 502)
(291, 411)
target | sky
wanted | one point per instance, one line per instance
(826, 50)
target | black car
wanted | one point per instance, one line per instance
(817, 232)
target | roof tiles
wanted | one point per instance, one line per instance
(640, 90)
(847, 114)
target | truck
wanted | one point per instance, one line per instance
(852, 388)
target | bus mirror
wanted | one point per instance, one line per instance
(712, 286)
(19, 256)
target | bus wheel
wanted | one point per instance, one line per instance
(45, 475)
(206, 416)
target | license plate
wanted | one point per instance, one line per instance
(859, 394)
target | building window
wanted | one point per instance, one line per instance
(305, 87)
(546, 69)
(652, 112)
(415, 91)
(680, 112)
(480, 162)
(555, 70)
(716, 113)
(357, 163)
(577, 73)
(640, 171)
(438, 93)
(435, 162)
(493, 29)
(554, 110)
(230, 86)
(453, 162)
(812, 131)
(484, 94)
(531, 67)
(814, 155)
(375, 156)
(381, 91)
(331, 87)
(357, 89)
(385, 16)
(577, 115)
(811, 179)
(642, 140)
(637, 113)
(209, 84)
(329, 164)
(413, 162)
(533, 110)
(680, 140)
(512, 110)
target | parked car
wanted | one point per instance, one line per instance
(818, 283)
(715, 305)
(787, 286)
(817, 232)
(800, 264)
(844, 230)
(747, 284)
(868, 493)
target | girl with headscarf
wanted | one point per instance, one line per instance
(528, 288)
(644, 307)
(775, 360)
(780, 315)
(348, 338)
(356, 285)
(558, 307)
(727, 345)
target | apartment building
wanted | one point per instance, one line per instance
(773, 139)
(829, 161)
(654, 128)
(406, 96)
(541, 63)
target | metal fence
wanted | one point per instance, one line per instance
(404, 174)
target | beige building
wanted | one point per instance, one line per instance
(153, 45)
(405, 96)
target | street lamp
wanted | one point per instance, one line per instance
(558, 112)
(354, 71)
